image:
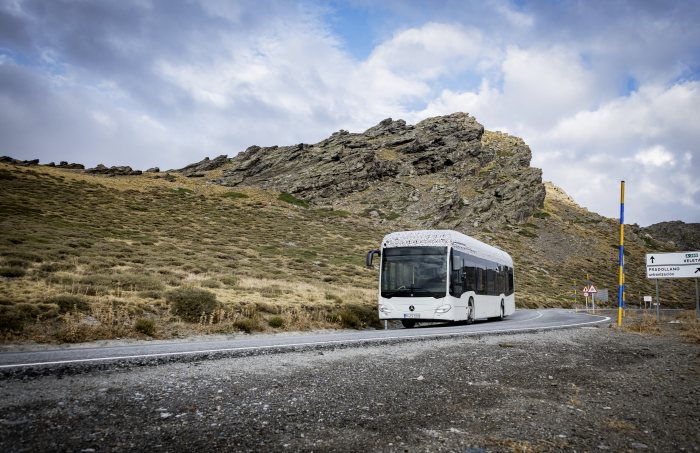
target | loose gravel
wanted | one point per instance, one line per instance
(585, 389)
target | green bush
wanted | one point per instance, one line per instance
(190, 303)
(12, 272)
(145, 326)
(229, 280)
(210, 283)
(10, 319)
(289, 198)
(541, 214)
(276, 322)
(235, 195)
(151, 294)
(356, 316)
(248, 325)
(69, 302)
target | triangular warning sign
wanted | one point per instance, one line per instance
(592, 289)
(586, 289)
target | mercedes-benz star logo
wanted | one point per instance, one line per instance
(412, 308)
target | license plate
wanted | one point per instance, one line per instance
(411, 315)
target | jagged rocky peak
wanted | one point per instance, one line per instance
(443, 171)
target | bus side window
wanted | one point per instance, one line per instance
(456, 278)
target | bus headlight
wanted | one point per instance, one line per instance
(384, 309)
(443, 308)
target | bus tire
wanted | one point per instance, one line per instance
(502, 316)
(470, 311)
(408, 323)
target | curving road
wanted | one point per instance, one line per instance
(521, 321)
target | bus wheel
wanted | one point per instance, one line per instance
(408, 323)
(502, 316)
(470, 311)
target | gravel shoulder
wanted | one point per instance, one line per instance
(581, 389)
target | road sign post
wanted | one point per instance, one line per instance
(592, 290)
(658, 302)
(697, 301)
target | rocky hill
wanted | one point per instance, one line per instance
(684, 236)
(274, 238)
(443, 172)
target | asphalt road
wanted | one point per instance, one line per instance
(521, 321)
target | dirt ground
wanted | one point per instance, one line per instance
(588, 389)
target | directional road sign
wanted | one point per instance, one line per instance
(673, 265)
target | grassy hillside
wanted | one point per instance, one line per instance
(87, 257)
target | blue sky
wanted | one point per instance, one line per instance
(601, 91)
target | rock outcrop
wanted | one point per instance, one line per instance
(198, 169)
(113, 171)
(684, 236)
(442, 172)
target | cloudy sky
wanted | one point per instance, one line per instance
(601, 91)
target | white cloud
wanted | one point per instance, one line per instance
(656, 156)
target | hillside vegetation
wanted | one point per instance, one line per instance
(87, 256)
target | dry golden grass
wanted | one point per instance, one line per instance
(644, 324)
(689, 325)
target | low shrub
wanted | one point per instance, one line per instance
(333, 297)
(248, 325)
(356, 316)
(191, 303)
(291, 199)
(17, 262)
(235, 195)
(276, 322)
(69, 303)
(145, 326)
(12, 272)
(10, 319)
(151, 294)
(210, 283)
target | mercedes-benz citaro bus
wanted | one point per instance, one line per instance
(442, 275)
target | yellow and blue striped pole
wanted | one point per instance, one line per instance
(621, 287)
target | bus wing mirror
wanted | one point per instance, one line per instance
(370, 256)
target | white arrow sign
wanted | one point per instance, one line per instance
(677, 258)
(673, 265)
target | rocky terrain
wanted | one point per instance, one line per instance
(444, 172)
(594, 389)
(684, 236)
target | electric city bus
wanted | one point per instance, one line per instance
(442, 275)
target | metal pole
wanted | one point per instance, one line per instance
(658, 302)
(621, 283)
(386, 324)
(697, 300)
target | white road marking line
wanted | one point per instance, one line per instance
(291, 345)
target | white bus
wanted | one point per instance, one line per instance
(442, 275)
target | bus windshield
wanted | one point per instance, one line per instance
(414, 272)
